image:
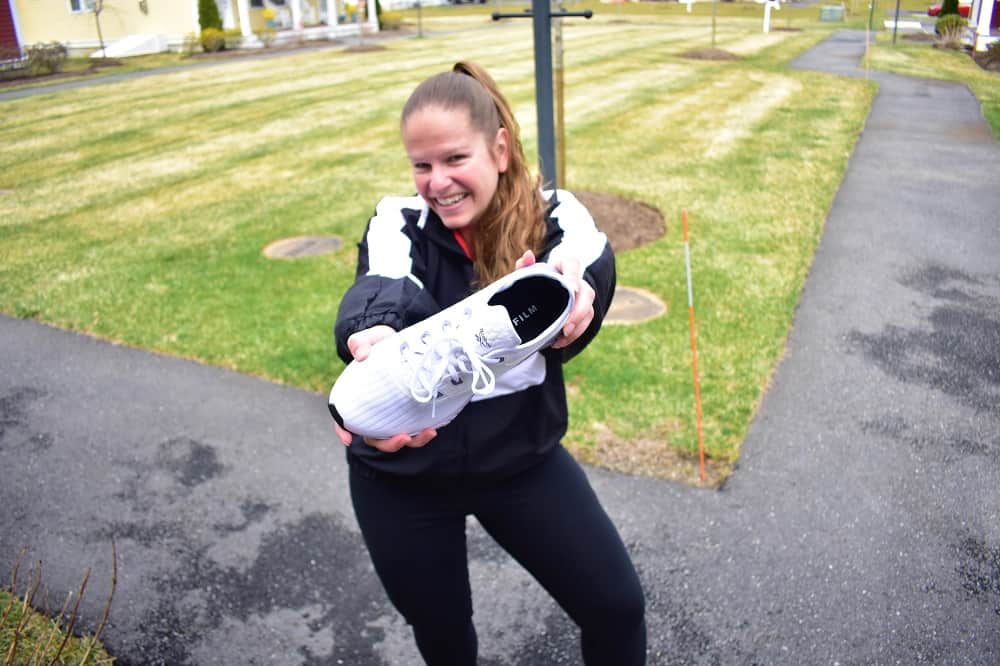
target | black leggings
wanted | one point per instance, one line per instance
(548, 518)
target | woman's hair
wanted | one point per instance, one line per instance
(514, 220)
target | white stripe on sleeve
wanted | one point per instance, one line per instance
(581, 237)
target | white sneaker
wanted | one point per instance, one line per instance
(422, 377)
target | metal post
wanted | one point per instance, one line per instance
(542, 25)
(541, 17)
(560, 110)
(895, 23)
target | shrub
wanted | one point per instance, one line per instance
(46, 58)
(212, 40)
(950, 30)
(208, 15)
(192, 44)
(949, 7)
(992, 55)
(391, 20)
(267, 35)
(234, 38)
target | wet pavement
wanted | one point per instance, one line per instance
(862, 524)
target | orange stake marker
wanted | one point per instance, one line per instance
(694, 349)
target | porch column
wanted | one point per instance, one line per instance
(296, 15)
(372, 15)
(983, 26)
(196, 15)
(243, 7)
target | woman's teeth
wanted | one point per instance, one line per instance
(448, 201)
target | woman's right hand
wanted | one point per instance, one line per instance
(360, 345)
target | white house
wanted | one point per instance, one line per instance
(144, 26)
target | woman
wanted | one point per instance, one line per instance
(477, 215)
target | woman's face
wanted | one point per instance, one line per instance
(455, 167)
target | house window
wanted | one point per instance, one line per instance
(77, 6)
(257, 4)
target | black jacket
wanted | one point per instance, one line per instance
(409, 267)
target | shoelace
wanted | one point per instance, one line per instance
(446, 356)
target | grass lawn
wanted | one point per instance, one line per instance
(137, 210)
(922, 60)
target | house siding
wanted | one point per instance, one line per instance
(52, 20)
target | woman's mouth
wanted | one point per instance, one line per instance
(451, 200)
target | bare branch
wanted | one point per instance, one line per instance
(107, 606)
(72, 620)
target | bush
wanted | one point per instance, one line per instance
(950, 30)
(212, 40)
(192, 44)
(949, 7)
(992, 55)
(391, 21)
(46, 58)
(267, 35)
(208, 15)
(234, 38)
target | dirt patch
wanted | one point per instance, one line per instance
(627, 223)
(362, 48)
(652, 455)
(709, 54)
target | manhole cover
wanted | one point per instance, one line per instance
(632, 306)
(302, 246)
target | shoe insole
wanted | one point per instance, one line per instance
(533, 304)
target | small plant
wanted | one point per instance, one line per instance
(267, 35)
(950, 30)
(234, 38)
(212, 40)
(46, 58)
(391, 21)
(991, 58)
(30, 638)
(191, 45)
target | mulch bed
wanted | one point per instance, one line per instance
(709, 54)
(626, 223)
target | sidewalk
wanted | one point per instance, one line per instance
(861, 526)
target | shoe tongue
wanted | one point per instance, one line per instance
(493, 330)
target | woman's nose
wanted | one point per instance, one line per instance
(438, 178)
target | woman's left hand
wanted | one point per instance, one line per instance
(583, 306)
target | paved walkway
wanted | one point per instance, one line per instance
(861, 526)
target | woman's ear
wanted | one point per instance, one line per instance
(501, 149)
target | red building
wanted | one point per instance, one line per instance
(9, 40)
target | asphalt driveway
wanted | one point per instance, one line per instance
(862, 524)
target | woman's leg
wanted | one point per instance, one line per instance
(416, 541)
(550, 520)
